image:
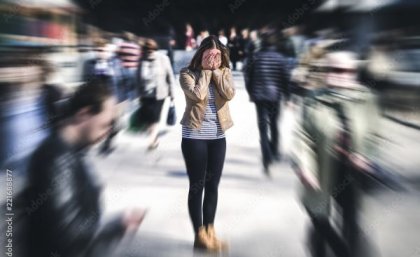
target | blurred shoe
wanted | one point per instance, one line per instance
(266, 165)
(277, 157)
(218, 244)
(267, 173)
(153, 146)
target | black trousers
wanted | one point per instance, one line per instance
(322, 234)
(348, 203)
(204, 160)
(345, 241)
(268, 115)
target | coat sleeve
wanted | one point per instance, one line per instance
(304, 152)
(224, 83)
(194, 89)
(373, 137)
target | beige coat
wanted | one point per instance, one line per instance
(195, 86)
(163, 74)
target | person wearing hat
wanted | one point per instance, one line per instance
(156, 83)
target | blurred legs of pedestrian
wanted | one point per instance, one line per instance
(150, 114)
(344, 241)
(153, 132)
(323, 234)
(131, 86)
(268, 115)
(107, 146)
(347, 201)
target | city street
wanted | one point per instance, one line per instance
(84, 176)
(256, 215)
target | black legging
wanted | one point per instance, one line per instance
(204, 160)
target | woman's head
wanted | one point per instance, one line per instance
(149, 46)
(209, 43)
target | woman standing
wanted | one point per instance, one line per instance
(156, 82)
(208, 86)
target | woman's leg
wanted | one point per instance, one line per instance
(216, 160)
(153, 136)
(154, 128)
(195, 156)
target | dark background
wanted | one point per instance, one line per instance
(118, 15)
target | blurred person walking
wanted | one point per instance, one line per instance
(208, 86)
(234, 47)
(223, 39)
(252, 46)
(129, 54)
(336, 145)
(203, 34)
(266, 80)
(108, 67)
(156, 83)
(62, 198)
(243, 43)
(190, 43)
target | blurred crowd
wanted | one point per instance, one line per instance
(336, 93)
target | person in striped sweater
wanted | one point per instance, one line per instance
(129, 54)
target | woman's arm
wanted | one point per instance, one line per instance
(223, 80)
(196, 91)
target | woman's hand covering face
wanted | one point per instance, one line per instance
(212, 59)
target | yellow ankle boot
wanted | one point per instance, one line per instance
(219, 244)
(202, 240)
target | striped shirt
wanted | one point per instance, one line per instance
(210, 127)
(129, 54)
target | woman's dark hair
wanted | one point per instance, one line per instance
(210, 42)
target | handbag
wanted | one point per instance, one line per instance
(171, 119)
